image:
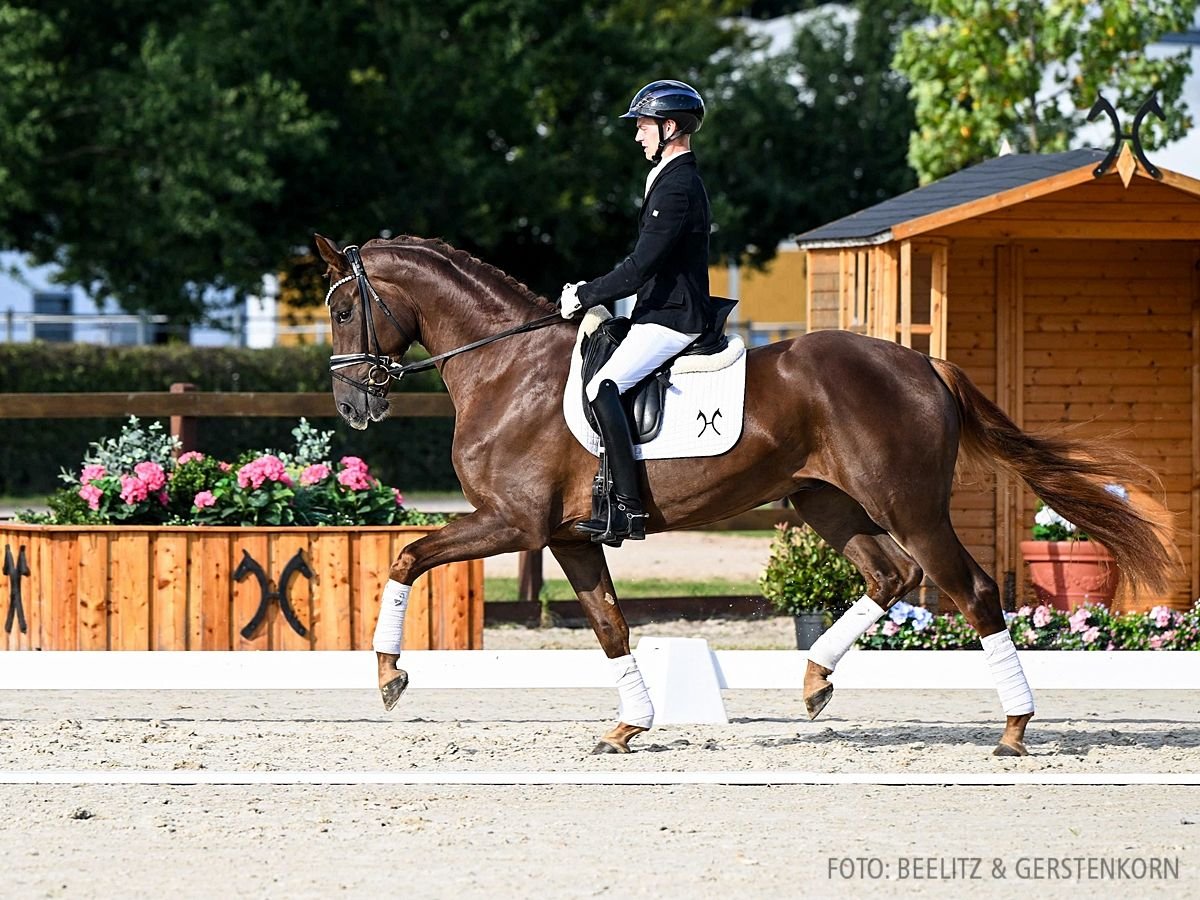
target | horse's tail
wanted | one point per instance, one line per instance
(1070, 478)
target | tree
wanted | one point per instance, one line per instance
(813, 134)
(1029, 70)
(168, 154)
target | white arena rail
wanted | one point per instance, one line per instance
(478, 669)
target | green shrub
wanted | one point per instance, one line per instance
(804, 574)
(411, 452)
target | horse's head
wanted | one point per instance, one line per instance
(371, 320)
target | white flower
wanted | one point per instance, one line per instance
(1047, 516)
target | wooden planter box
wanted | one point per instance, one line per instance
(71, 587)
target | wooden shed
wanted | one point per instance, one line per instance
(1070, 297)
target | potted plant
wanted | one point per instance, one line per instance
(808, 580)
(1066, 567)
(149, 549)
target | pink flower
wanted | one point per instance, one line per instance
(91, 473)
(399, 497)
(1162, 616)
(1041, 616)
(151, 473)
(163, 498)
(190, 456)
(203, 499)
(265, 468)
(1090, 635)
(91, 494)
(353, 462)
(1024, 611)
(1156, 642)
(224, 466)
(890, 628)
(1079, 619)
(133, 490)
(355, 479)
(314, 474)
(872, 628)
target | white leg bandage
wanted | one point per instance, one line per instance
(389, 629)
(634, 707)
(833, 644)
(1001, 656)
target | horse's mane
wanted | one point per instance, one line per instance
(466, 262)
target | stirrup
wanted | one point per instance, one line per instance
(634, 525)
(602, 530)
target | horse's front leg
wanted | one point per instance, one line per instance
(585, 567)
(475, 536)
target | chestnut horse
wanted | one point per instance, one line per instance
(859, 434)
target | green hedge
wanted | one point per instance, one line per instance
(412, 454)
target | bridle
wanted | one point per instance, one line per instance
(383, 368)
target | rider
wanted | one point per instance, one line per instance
(668, 269)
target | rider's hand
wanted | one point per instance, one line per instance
(568, 303)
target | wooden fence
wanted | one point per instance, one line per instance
(186, 406)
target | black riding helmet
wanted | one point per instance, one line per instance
(663, 100)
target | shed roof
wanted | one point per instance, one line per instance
(874, 224)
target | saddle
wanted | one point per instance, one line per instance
(643, 403)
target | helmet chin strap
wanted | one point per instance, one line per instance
(663, 141)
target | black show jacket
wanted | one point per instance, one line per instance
(668, 268)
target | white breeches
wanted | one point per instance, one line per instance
(645, 348)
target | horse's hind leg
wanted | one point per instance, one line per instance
(978, 598)
(889, 572)
(585, 567)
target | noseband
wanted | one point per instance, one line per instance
(383, 368)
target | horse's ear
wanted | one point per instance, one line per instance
(331, 254)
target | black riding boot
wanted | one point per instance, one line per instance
(626, 519)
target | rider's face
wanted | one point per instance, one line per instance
(647, 134)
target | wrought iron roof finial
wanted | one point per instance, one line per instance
(1149, 106)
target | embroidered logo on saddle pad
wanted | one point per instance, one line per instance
(701, 410)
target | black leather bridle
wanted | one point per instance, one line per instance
(383, 368)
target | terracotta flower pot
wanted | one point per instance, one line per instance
(1067, 574)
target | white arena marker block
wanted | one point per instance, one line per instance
(682, 679)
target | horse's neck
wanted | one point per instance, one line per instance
(481, 311)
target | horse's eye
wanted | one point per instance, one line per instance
(342, 316)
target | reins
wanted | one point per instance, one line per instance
(383, 368)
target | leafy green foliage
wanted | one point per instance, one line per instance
(1029, 71)
(133, 445)
(804, 574)
(168, 154)
(810, 135)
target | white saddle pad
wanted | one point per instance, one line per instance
(702, 409)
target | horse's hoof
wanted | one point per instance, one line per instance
(818, 701)
(393, 689)
(610, 747)
(617, 740)
(1003, 749)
